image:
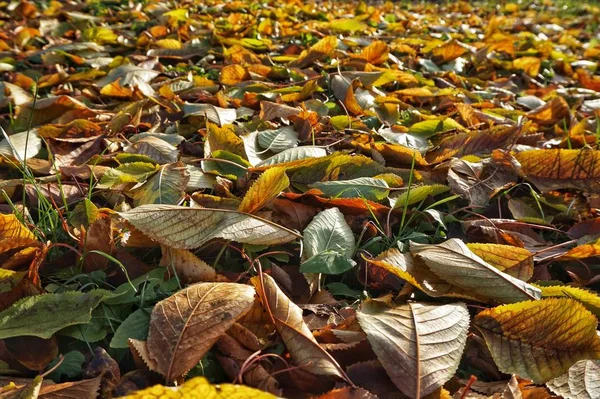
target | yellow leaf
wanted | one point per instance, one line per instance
(100, 35)
(550, 113)
(583, 251)
(514, 261)
(448, 52)
(590, 300)
(172, 44)
(539, 340)
(233, 74)
(223, 138)
(375, 53)
(200, 388)
(530, 65)
(11, 227)
(266, 188)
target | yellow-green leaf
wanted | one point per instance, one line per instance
(587, 298)
(539, 340)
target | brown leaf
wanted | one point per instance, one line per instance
(287, 317)
(255, 375)
(32, 352)
(187, 266)
(184, 326)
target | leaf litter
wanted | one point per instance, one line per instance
(299, 199)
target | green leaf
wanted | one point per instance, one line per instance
(92, 331)
(187, 228)
(363, 187)
(328, 231)
(341, 289)
(71, 366)
(418, 194)
(165, 187)
(133, 172)
(432, 127)
(229, 168)
(134, 326)
(294, 154)
(43, 315)
(9, 279)
(327, 262)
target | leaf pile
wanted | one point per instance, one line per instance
(320, 199)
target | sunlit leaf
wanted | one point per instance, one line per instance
(186, 228)
(362, 187)
(455, 263)
(514, 261)
(267, 187)
(200, 387)
(558, 169)
(539, 340)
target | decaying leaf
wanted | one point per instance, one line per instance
(184, 326)
(287, 318)
(419, 345)
(187, 228)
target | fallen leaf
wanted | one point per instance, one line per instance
(419, 345)
(184, 326)
(187, 228)
(539, 340)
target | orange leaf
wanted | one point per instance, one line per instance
(559, 169)
(550, 113)
(233, 74)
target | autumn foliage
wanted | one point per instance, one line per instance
(323, 199)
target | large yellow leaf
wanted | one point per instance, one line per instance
(514, 261)
(233, 74)
(287, 318)
(589, 299)
(266, 188)
(200, 388)
(560, 169)
(539, 340)
(419, 345)
(186, 228)
(184, 326)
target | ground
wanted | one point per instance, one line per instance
(329, 199)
